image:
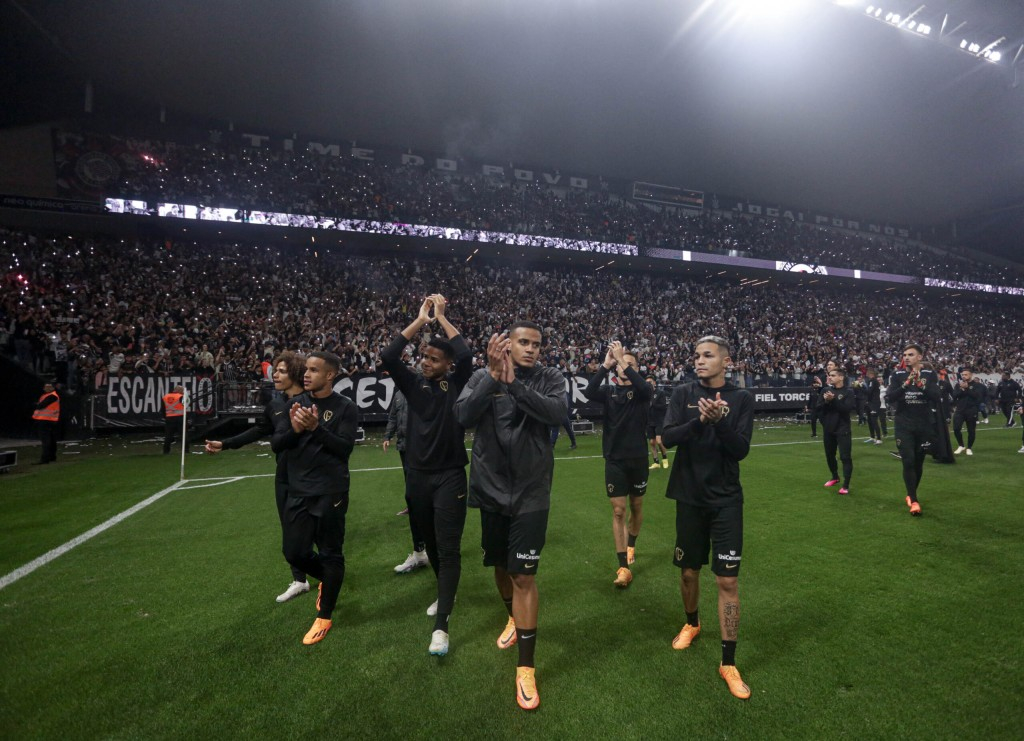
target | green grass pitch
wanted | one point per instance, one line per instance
(858, 621)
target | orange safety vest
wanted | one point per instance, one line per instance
(51, 412)
(174, 405)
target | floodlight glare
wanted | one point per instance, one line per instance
(888, 16)
(878, 13)
(923, 29)
(995, 56)
(871, 9)
(963, 44)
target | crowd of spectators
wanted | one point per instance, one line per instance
(86, 308)
(328, 185)
(332, 186)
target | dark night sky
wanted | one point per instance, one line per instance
(822, 109)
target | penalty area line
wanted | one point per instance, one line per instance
(18, 573)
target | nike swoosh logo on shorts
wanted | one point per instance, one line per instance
(731, 565)
(529, 566)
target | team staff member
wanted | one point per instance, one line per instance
(47, 421)
(317, 444)
(914, 393)
(435, 483)
(1007, 393)
(711, 421)
(174, 410)
(626, 407)
(968, 395)
(873, 395)
(837, 401)
(398, 421)
(287, 376)
(655, 422)
(512, 403)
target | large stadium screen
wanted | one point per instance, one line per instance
(668, 195)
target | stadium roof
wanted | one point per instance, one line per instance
(816, 106)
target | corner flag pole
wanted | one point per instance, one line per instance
(184, 431)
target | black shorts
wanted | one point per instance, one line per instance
(700, 530)
(513, 542)
(652, 432)
(626, 477)
(913, 438)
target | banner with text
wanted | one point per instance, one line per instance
(137, 401)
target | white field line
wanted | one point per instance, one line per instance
(44, 559)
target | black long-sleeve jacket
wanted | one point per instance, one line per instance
(513, 461)
(659, 405)
(273, 412)
(873, 393)
(913, 403)
(274, 418)
(835, 414)
(1007, 391)
(317, 462)
(434, 440)
(626, 411)
(706, 468)
(969, 399)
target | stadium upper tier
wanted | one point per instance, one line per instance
(108, 306)
(235, 176)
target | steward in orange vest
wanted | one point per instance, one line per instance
(174, 410)
(47, 417)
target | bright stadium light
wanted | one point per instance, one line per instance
(769, 7)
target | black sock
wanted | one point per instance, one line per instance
(527, 640)
(622, 559)
(729, 653)
(508, 605)
(631, 541)
(441, 621)
(692, 619)
(419, 547)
